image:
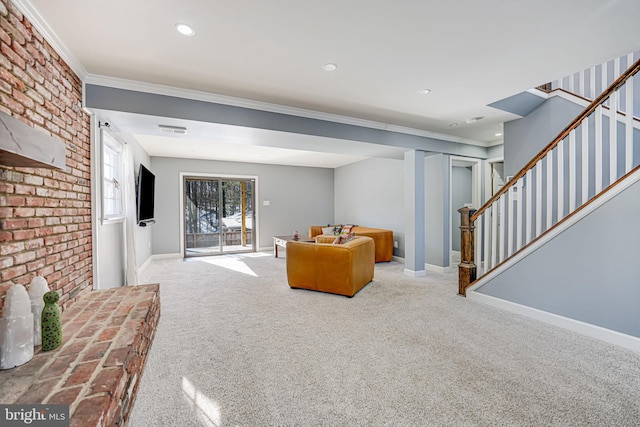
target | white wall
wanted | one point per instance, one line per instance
(370, 193)
(298, 197)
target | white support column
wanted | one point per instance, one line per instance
(629, 114)
(477, 250)
(597, 157)
(613, 138)
(571, 88)
(585, 161)
(572, 171)
(549, 191)
(510, 223)
(529, 212)
(616, 74)
(502, 240)
(494, 234)
(539, 197)
(560, 185)
(486, 238)
(519, 201)
(605, 84)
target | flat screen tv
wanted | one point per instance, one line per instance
(145, 196)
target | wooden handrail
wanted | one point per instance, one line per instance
(631, 71)
(463, 285)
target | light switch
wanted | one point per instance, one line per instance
(266, 203)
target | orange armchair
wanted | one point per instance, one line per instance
(341, 269)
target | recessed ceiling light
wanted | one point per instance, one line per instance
(185, 29)
(424, 91)
(474, 119)
(498, 134)
(329, 66)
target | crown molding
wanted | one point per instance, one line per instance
(157, 89)
(37, 20)
(496, 142)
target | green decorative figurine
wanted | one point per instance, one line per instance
(51, 326)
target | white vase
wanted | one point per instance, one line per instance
(37, 288)
(16, 329)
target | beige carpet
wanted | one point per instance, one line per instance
(237, 347)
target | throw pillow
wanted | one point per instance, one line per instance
(327, 231)
(343, 238)
(346, 229)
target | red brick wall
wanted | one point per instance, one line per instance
(45, 214)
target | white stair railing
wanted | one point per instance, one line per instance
(589, 155)
(594, 80)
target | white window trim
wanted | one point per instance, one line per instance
(112, 144)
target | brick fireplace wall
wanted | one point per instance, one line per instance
(45, 214)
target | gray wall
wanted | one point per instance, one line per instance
(298, 196)
(370, 193)
(461, 194)
(495, 151)
(525, 138)
(588, 273)
(437, 215)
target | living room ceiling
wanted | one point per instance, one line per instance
(467, 53)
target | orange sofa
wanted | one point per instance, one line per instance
(383, 239)
(341, 269)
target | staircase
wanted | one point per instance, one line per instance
(582, 167)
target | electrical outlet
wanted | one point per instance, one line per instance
(395, 244)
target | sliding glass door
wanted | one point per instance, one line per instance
(218, 215)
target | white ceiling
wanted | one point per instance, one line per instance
(469, 53)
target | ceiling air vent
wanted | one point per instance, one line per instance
(175, 130)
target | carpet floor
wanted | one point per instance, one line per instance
(236, 347)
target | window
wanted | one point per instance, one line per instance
(112, 178)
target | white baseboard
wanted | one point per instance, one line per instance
(144, 266)
(593, 331)
(437, 268)
(413, 273)
(165, 256)
(397, 259)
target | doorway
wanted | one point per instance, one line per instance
(219, 215)
(465, 189)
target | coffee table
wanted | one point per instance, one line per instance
(282, 242)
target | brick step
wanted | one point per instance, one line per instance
(96, 370)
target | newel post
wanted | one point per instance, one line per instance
(467, 267)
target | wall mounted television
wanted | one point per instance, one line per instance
(145, 193)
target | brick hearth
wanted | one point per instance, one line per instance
(96, 370)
